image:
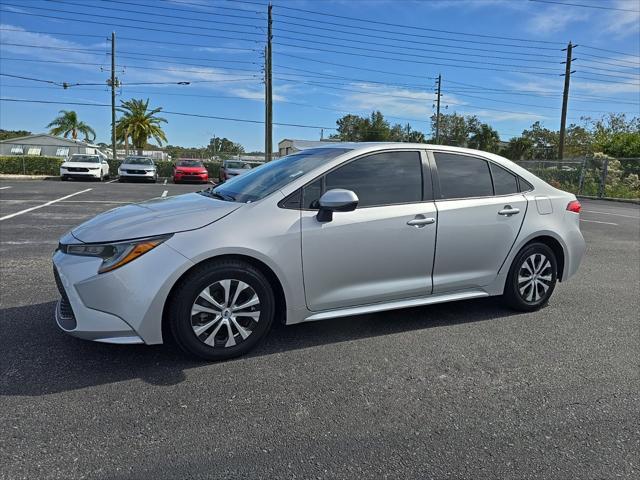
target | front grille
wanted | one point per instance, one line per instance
(137, 172)
(65, 311)
(77, 169)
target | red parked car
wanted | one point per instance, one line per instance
(190, 171)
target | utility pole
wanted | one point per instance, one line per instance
(268, 142)
(565, 100)
(113, 95)
(438, 109)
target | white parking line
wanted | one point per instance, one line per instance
(164, 194)
(114, 180)
(595, 221)
(165, 181)
(4, 188)
(7, 217)
(614, 214)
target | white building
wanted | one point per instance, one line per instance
(46, 145)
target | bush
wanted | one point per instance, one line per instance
(30, 165)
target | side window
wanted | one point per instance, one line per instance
(504, 182)
(381, 179)
(524, 185)
(462, 176)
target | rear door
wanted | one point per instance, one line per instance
(480, 212)
(381, 251)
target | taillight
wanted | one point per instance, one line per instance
(574, 206)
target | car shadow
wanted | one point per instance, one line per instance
(39, 359)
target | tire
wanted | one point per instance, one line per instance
(121, 179)
(211, 281)
(532, 278)
(64, 178)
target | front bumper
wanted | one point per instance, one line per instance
(191, 177)
(150, 175)
(121, 306)
(89, 174)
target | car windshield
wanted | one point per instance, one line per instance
(237, 165)
(189, 163)
(85, 158)
(269, 177)
(138, 161)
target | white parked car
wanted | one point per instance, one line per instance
(79, 165)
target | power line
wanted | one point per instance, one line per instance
(618, 60)
(411, 36)
(607, 81)
(178, 17)
(464, 54)
(451, 32)
(554, 2)
(200, 12)
(95, 15)
(134, 27)
(404, 41)
(422, 77)
(130, 39)
(167, 112)
(608, 51)
(320, 84)
(420, 61)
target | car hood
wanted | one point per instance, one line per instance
(191, 169)
(131, 166)
(154, 217)
(81, 164)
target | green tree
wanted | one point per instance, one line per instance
(140, 123)
(485, 138)
(374, 128)
(67, 123)
(518, 148)
(455, 129)
(544, 142)
(223, 147)
(7, 134)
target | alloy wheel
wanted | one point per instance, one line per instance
(225, 313)
(535, 277)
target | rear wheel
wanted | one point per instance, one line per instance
(221, 310)
(532, 278)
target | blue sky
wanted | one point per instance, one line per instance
(324, 65)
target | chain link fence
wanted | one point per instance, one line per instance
(597, 176)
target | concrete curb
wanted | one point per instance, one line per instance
(8, 176)
(635, 201)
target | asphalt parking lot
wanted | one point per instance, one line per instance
(462, 390)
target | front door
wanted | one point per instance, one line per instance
(480, 212)
(378, 252)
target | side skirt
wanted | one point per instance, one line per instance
(396, 304)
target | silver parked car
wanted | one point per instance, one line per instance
(233, 168)
(137, 168)
(327, 232)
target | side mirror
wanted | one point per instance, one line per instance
(336, 200)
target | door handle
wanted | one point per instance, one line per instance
(421, 221)
(507, 211)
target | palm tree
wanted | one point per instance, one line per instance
(67, 123)
(139, 123)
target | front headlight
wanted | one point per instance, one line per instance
(115, 255)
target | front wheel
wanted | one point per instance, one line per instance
(221, 310)
(532, 278)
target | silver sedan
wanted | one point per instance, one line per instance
(137, 168)
(342, 230)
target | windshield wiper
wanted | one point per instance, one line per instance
(218, 195)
